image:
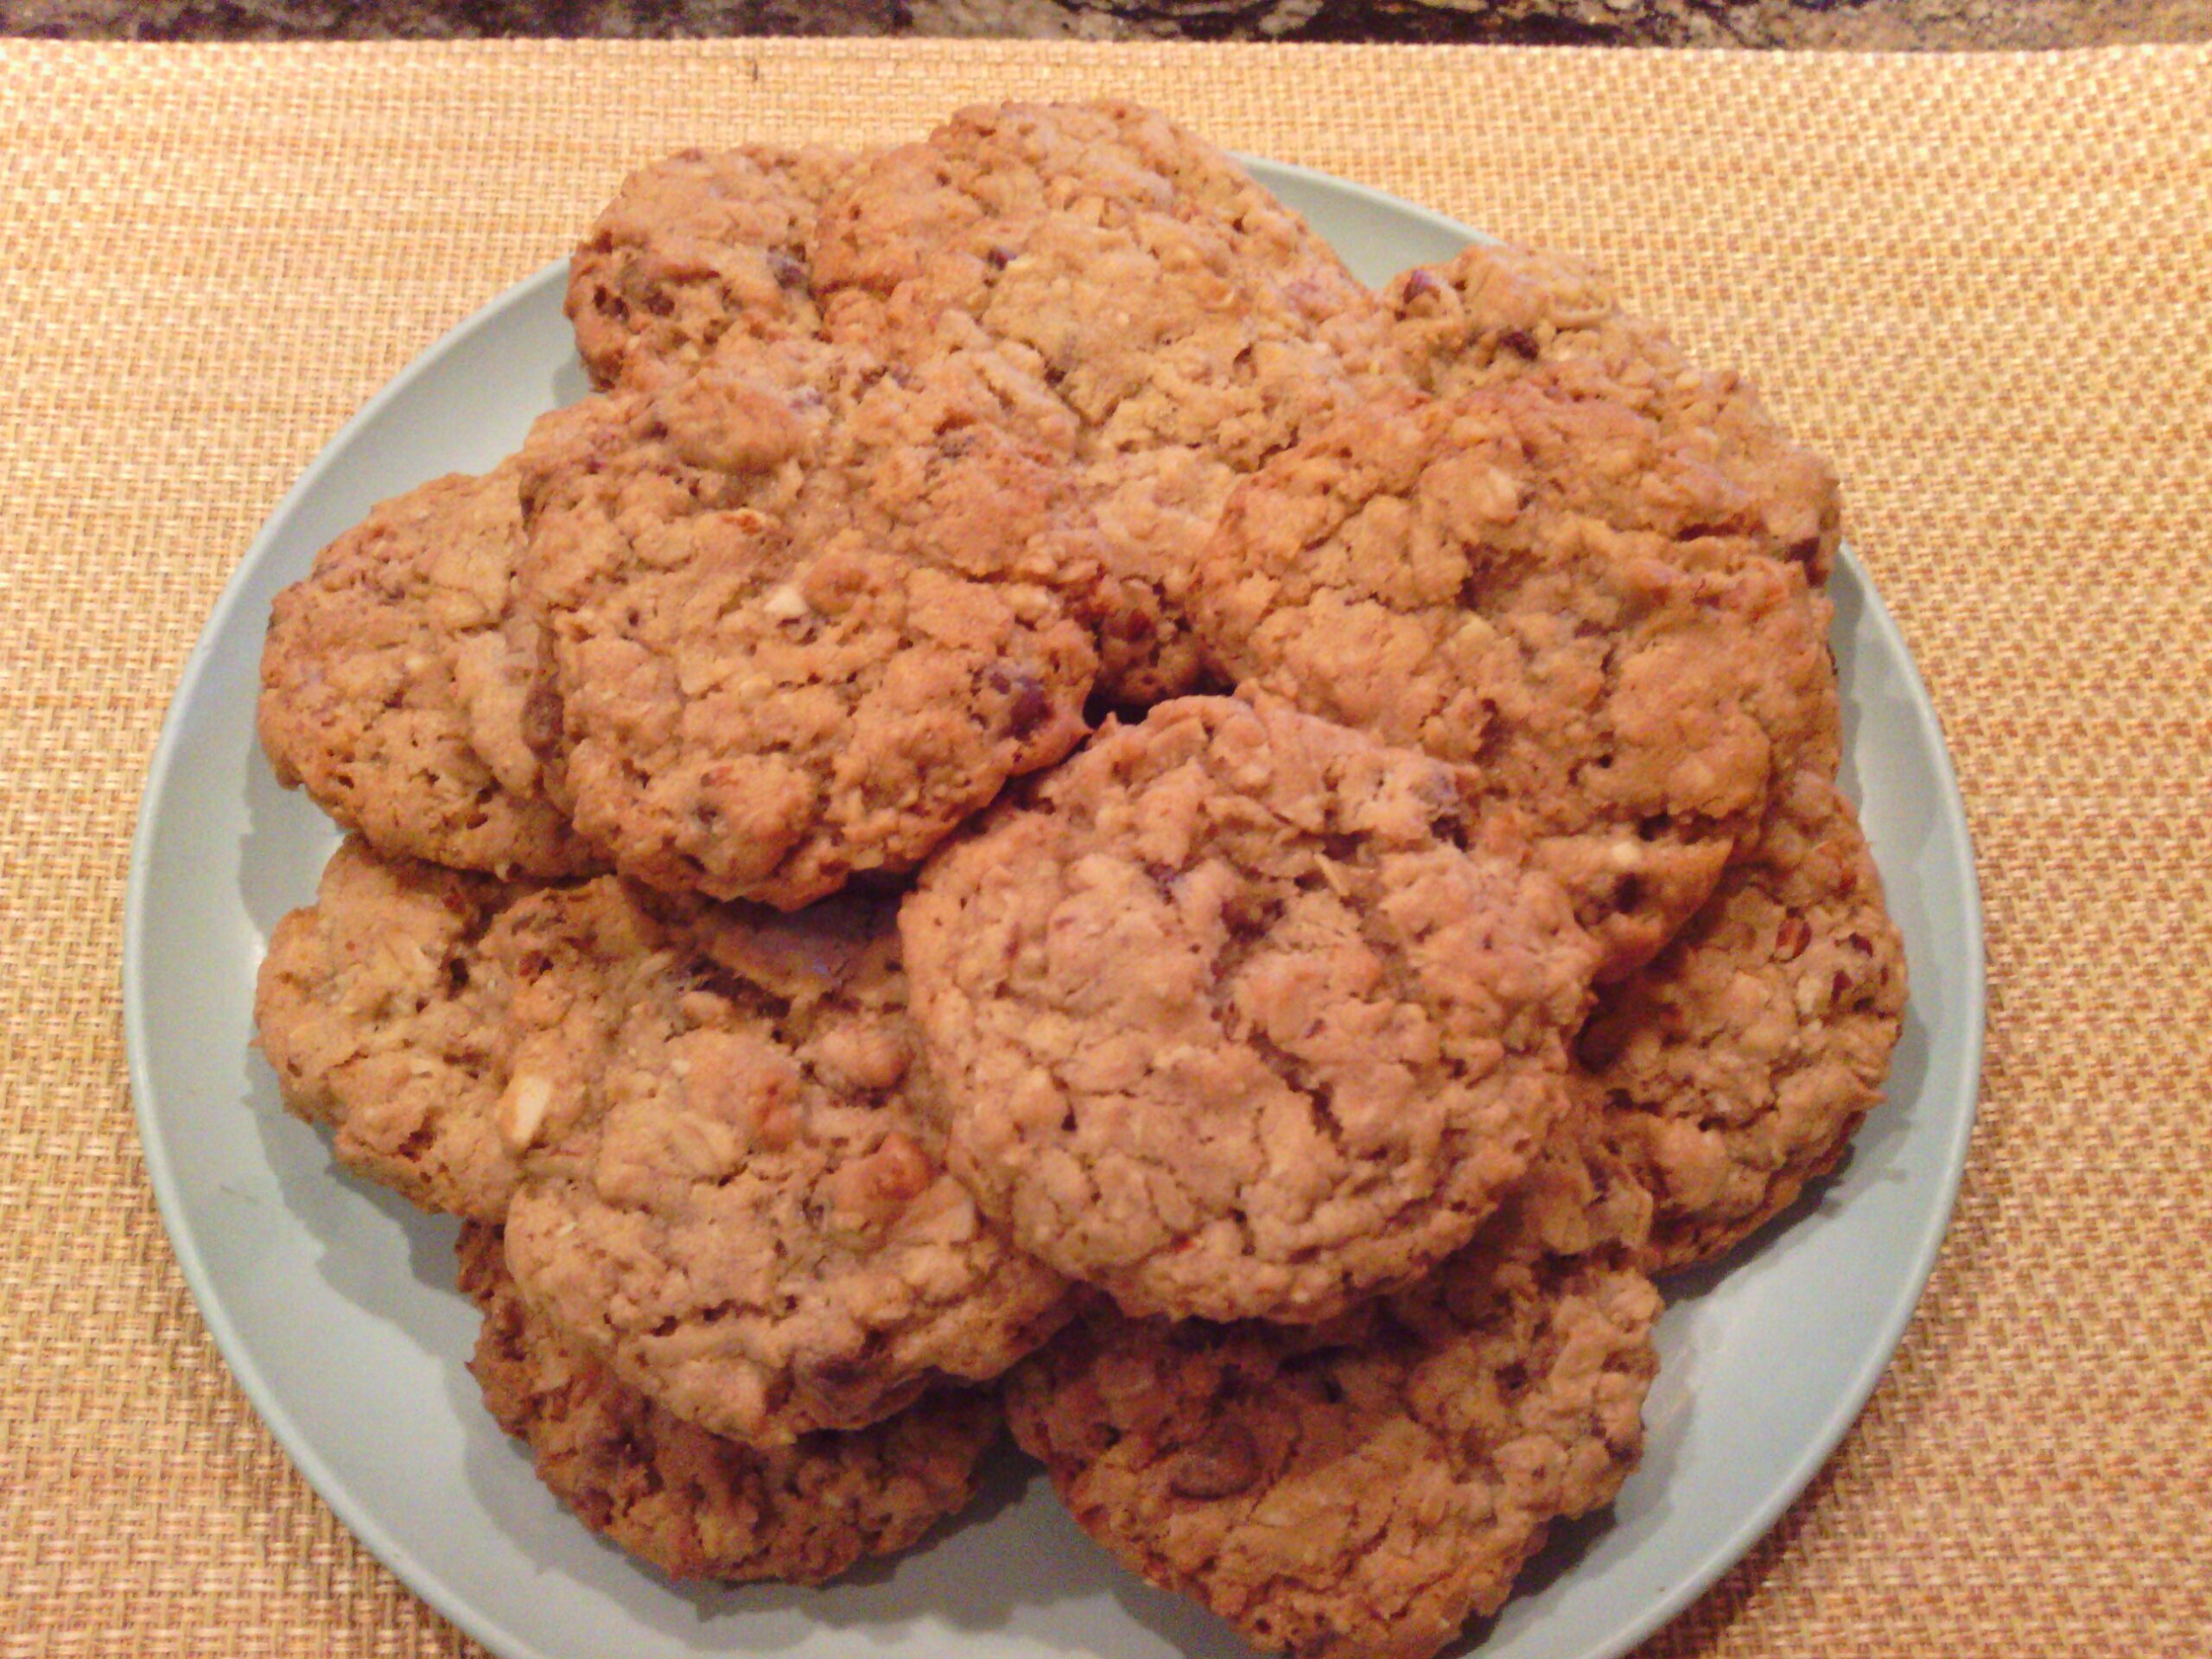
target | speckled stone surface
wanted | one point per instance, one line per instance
(1868, 25)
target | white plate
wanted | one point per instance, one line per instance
(333, 1302)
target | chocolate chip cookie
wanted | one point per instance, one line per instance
(359, 705)
(1364, 1486)
(1192, 323)
(1735, 1067)
(704, 1125)
(1497, 314)
(694, 246)
(804, 613)
(1547, 589)
(400, 1007)
(1230, 1023)
(695, 1505)
(747, 1212)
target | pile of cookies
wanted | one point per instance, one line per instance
(1044, 809)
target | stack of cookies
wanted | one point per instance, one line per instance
(1046, 809)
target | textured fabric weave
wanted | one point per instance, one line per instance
(1982, 284)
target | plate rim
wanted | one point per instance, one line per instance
(424, 1581)
(414, 1574)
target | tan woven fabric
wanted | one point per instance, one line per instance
(1983, 285)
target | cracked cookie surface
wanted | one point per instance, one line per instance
(747, 1212)
(1229, 1022)
(1494, 315)
(360, 705)
(804, 613)
(1190, 322)
(1364, 1486)
(692, 1503)
(704, 1126)
(1546, 589)
(1737, 1066)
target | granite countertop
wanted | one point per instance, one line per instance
(1871, 25)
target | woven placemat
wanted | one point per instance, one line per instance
(1983, 285)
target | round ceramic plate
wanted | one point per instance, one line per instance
(333, 1301)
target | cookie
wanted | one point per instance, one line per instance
(803, 612)
(694, 246)
(398, 1009)
(1229, 1023)
(359, 706)
(1497, 314)
(1192, 323)
(704, 1125)
(1548, 590)
(697, 1506)
(1363, 1487)
(1735, 1067)
(747, 1212)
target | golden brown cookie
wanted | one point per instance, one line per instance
(747, 1212)
(1494, 315)
(359, 704)
(694, 246)
(697, 1506)
(1190, 322)
(1737, 1066)
(1363, 1487)
(1550, 591)
(704, 1125)
(399, 1006)
(803, 612)
(1230, 1023)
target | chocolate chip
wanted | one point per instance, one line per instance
(540, 718)
(1027, 705)
(1520, 342)
(1222, 1465)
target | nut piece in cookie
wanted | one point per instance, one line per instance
(695, 1505)
(803, 613)
(1556, 592)
(360, 701)
(418, 1011)
(1365, 1486)
(1229, 1022)
(1496, 315)
(694, 246)
(1190, 322)
(746, 1213)
(1737, 1066)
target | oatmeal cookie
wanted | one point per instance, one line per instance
(397, 1007)
(1544, 588)
(1364, 1486)
(1193, 324)
(1737, 1066)
(747, 1214)
(359, 705)
(804, 611)
(694, 247)
(695, 1505)
(1228, 1021)
(1498, 314)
